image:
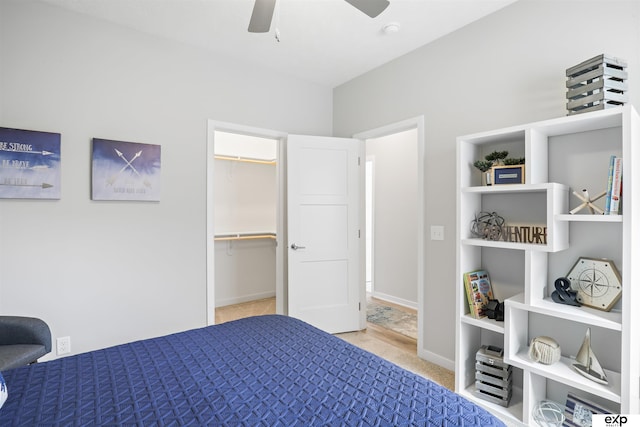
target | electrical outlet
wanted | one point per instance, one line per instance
(63, 345)
(437, 232)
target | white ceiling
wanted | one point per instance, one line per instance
(327, 42)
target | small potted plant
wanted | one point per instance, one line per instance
(485, 167)
(514, 161)
(496, 158)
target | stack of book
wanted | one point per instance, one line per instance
(613, 202)
(478, 290)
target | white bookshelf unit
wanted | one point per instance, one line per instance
(562, 155)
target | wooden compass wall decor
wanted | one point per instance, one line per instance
(597, 282)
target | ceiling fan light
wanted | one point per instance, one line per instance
(391, 28)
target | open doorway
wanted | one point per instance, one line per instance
(245, 212)
(282, 242)
(244, 225)
(393, 176)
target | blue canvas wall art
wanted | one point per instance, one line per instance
(29, 164)
(125, 171)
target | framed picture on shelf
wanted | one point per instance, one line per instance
(579, 411)
(508, 174)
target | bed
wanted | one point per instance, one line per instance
(260, 371)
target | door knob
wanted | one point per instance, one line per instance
(296, 247)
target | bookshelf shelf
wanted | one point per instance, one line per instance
(588, 316)
(515, 188)
(513, 411)
(484, 323)
(589, 218)
(564, 373)
(562, 155)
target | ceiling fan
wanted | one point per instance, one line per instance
(263, 12)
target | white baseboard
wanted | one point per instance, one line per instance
(395, 300)
(437, 359)
(244, 298)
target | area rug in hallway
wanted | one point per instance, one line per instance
(392, 318)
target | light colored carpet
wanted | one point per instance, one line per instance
(397, 320)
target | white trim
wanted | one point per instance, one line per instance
(418, 124)
(413, 123)
(395, 300)
(437, 359)
(245, 298)
(210, 273)
(370, 159)
(212, 127)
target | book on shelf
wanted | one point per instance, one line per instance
(616, 188)
(607, 203)
(478, 289)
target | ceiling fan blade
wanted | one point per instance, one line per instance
(261, 16)
(372, 8)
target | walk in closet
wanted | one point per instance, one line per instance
(245, 204)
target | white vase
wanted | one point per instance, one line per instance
(486, 178)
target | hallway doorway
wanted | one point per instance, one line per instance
(391, 217)
(393, 200)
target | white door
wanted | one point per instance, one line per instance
(323, 236)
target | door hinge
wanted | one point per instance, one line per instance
(358, 234)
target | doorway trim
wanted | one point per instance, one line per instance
(418, 124)
(369, 222)
(212, 127)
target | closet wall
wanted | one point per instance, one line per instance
(245, 218)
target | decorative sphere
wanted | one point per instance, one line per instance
(548, 414)
(488, 226)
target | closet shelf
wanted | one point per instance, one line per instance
(244, 236)
(245, 159)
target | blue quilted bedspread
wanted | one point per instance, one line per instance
(266, 370)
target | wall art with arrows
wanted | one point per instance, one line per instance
(125, 171)
(29, 164)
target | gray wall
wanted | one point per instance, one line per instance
(395, 268)
(505, 69)
(104, 273)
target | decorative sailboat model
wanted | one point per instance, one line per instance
(587, 364)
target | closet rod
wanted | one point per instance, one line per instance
(244, 236)
(245, 159)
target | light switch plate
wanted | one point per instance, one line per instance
(437, 232)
